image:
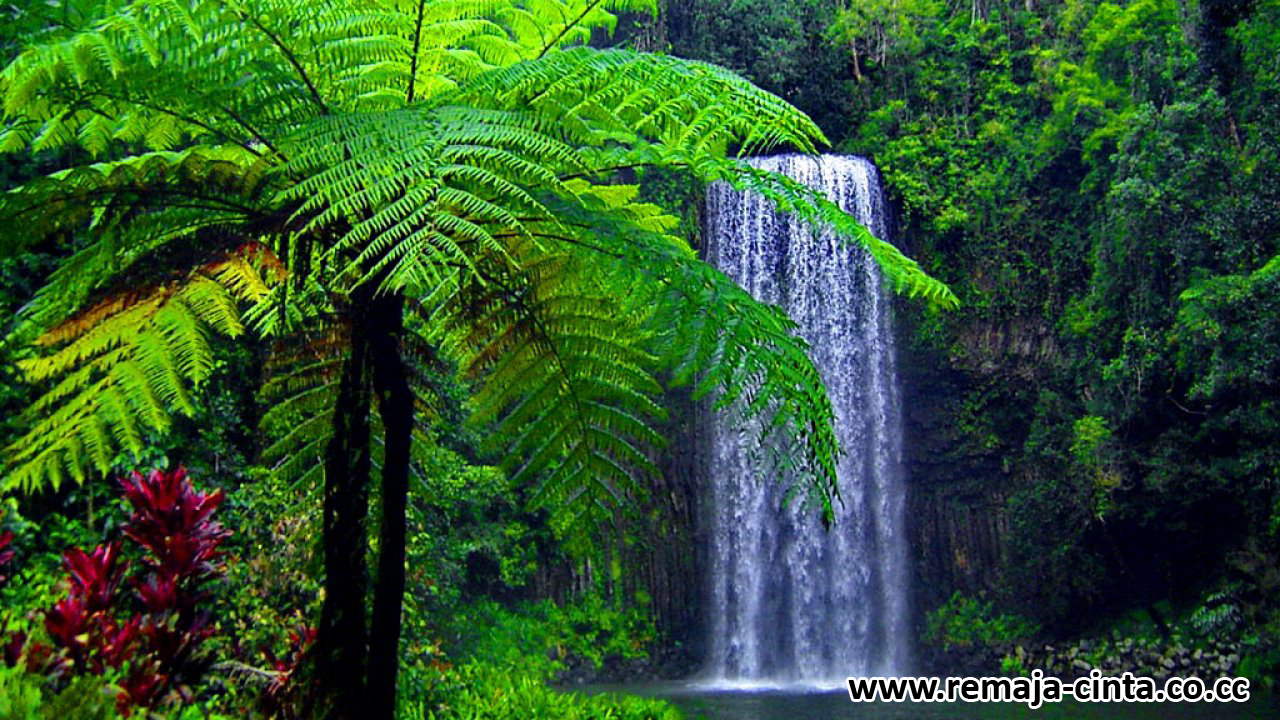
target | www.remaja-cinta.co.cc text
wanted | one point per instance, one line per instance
(1038, 689)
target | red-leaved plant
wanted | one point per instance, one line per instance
(92, 628)
(10, 648)
(83, 624)
(5, 556)
(276, 700)
(173, 523)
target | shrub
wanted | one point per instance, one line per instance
(23, 696)
(277, 700)
(967, 622)
(508, 655)
(542, 635)
(142, 628)
(1219, 616)
(475, 691)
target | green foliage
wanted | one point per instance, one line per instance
(467, 538)
(1260, 660)
(1097, 182)
(506, 657)
(1131, 50)
(1014, 665)
(777, 44)
(37, 573)
(272, 577)
(538, 638)
(1225, 330)
(1091, 432)
(968, 622)
(1219, 616)
(479, 692)
(24, 697)
(1092, 452)
(19, 693)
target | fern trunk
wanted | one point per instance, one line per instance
(357, 663)
(342, 641)
(395, 405)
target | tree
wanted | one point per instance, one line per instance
(367, 181)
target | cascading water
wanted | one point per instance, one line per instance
(790, 601)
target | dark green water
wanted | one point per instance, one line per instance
(789, 705)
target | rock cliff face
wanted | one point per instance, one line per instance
(962, 422)
(671, 553)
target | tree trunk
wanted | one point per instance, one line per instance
(395, 404)
(342, 640)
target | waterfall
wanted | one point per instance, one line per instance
(790, 602)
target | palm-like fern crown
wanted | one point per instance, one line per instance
(258, 159)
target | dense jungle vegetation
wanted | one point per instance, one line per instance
(1098, 182)
(345, 340)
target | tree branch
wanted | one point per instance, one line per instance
(413, 60)
(291, 58)
(569, 26)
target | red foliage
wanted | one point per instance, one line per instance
(91, 628)
(172, 522)
(275, 701)
(83, 623)
(5, 555)
(11, 649)
(95, 577)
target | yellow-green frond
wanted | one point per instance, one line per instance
(121, 369)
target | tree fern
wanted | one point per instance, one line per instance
(124, 367)
(593, 95)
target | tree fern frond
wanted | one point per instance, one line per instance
(901, 273)
(121, 369)
(564, 379)
(706, 330)
(439, 183)
(653, 97)
(220, 179)
(540, 26)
